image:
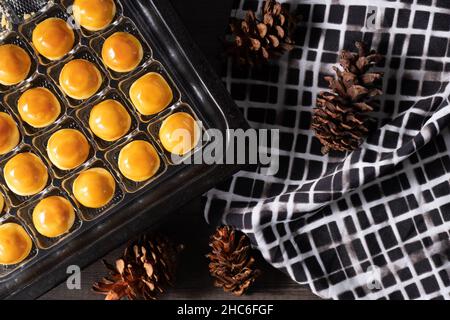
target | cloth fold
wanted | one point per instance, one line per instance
(374, 223)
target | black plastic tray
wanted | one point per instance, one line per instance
(204, 91)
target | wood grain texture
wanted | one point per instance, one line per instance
(189, 228)
(206, 20)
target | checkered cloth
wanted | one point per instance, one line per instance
(375, 223)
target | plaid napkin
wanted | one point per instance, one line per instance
(375, 223)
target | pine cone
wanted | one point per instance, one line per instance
(258, 40)
(231, 263)
(147, 266)
(341, 118)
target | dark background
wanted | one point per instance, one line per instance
(206, 20)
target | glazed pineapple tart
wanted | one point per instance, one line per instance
(67, 149)
(138, 161)
(94, 188)
(109, 120)
(179, 133)
(53, 38)
(25, 174)
(80, 79)
(9, 134)
(122, 52)
(15, 64)
(15, 244)
(38, 107)
(53, 216)
(151, 94)
(94, 15)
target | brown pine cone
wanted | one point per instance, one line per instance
(147, 266)
(340, 119)
(231, 263)
(257, 40)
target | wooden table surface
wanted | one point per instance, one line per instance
(206, 20)
(193, 281)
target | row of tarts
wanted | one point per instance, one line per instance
(25, 174)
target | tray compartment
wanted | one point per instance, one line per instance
(22, 10)
(68, 4)
(6, 270)
(84, 113)
(53, 11)
(5, 109)
(85, 53)
(124, 25)
(12, 100)
(40, 143)
(130, 186)
(17, 39)
(155, 126)
(156, 67)
(16, 200)
(89, 214)
(26, 215)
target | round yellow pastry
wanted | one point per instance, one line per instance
(25, 174)
(15, 244)
(15, 64)
(138, 161)
(179, 133)
(2, 203)
(122, 52)
(80, 79)
(53, 216)
(151, 94)
(9, 134)
(109, 120)
(94, 15)
(67, 149)
(94, 188)
(39, 107)
(53, 38)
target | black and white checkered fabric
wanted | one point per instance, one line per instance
(375, 223)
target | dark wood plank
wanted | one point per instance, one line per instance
(188, 227)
